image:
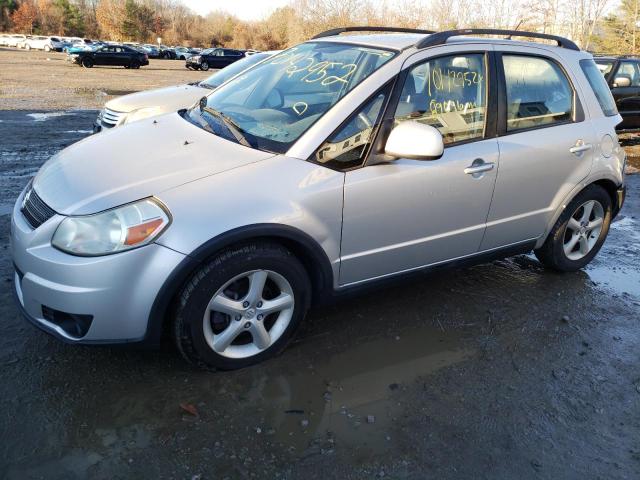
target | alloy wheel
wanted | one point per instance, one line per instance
(248, 314)
(583, 230)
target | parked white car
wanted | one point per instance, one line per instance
(141, 105)
(44, 43)
(14, 40)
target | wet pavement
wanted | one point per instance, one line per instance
(503, 370)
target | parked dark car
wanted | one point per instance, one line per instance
(214, 58)
(623, 76)
(112, 55)
(167, 52)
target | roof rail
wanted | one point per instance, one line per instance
(338, 31)
(441, 38)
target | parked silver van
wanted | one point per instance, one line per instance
(335, 165)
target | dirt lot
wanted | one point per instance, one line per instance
(499, 371)
(38, 80)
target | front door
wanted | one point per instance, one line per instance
(407, 214)
(546, 147)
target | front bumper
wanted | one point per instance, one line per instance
(193, 62)
(115, 292)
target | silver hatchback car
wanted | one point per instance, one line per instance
(337, 164)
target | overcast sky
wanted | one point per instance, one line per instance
(243, 9)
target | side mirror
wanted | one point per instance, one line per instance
(621, 82)
(414, 140)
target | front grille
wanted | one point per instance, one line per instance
(35, 210)
(111, 118)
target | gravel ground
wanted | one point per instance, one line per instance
(499, 371)
(37, 80)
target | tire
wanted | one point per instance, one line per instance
(47, 48)
(27, 47)
(573, 228)
(135, 65)
(204, 66)
(230, 275)
(87, 62)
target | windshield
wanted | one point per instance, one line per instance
(273, 104)
(604, 66)
(221, 76)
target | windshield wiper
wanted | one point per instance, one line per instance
(235, 130)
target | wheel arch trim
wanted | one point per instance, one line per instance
(610, 184)
(308, 251)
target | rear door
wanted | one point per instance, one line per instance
(625, 87)
(546, 144)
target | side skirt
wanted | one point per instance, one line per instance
(354, 289)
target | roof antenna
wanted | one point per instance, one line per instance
(517, 27)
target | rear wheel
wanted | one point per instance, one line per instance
(242, 307)
(204, 66)
(579, 233)
(87, 62)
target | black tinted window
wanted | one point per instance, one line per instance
(599, 87)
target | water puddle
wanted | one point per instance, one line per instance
(6, 209)
(620, 269)
(349, 398)
(44, 116)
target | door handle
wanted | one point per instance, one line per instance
(478, 167)
(580, 148)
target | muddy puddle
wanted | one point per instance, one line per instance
(622, 274)
(350, 397)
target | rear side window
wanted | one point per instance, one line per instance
(538, 93)
(599, 87)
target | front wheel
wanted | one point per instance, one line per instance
(242, 307)
(204, 66)
(579, 233)
(87, 62)
(47, 48)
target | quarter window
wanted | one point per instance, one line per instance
(599, 87)
(538, 93)
(448, 93)
(348, 147)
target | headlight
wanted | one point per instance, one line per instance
(122, 228)
(142, 113)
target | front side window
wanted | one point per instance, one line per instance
(448, 93)
(630, 73)
(538, 93)
(599, 87)
(271, 105)
(348, 147)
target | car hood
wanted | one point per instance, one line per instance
(168, 99)
(135, 161)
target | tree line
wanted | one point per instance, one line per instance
(606, 26)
